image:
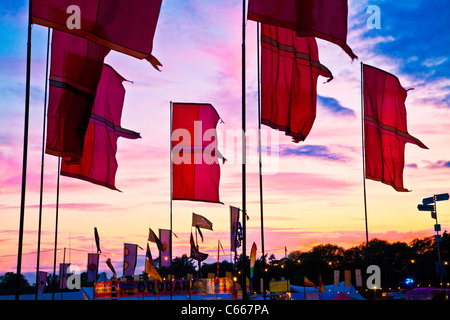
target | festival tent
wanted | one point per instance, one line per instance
(342, 296)
(331, 291)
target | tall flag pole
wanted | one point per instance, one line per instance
(171, 192)
(42, 167)
(25, 155)
(364, 163)
(244, 243)
(260, 159)
(56, 229)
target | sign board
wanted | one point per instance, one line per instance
(279, 286)
(442, 196)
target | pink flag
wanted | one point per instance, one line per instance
(322, 19)
(195, 167)
(124, 26)
(98, 164)
(42, 281)
(385, 127)
(166, 241)
(75, 71)
(290, 68)
(92, 267)
(63, 275)
(129, 259)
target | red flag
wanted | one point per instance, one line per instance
(385, 127)
(98, 164)
(76, 67)
(322, 19)
(195, 167)
(290, 68)
(124, 26)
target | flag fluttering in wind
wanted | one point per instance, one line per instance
(149, 268)
(219, 245)
(152, 237)
(42, 281)
(123, 26)
(385, 127)
(321, 285)
(290, 69)
(195, 253)
(309, 282)
(234, 219)
(111, 267)
(326, 20)
(166, 242)
(129, 259)
(97, 240)
(92, 267)
(75, 71)
(195, 165)
(98, 164)
(252, 263)
(201, 222)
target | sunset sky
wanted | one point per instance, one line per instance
(313, 191)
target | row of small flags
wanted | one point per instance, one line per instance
(336, 280)
(163, 243)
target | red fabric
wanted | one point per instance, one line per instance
(76, 66)
(385, 127)
(125, 26)
(195, 167)
(98, 164)
(324, 19)
(290, 68)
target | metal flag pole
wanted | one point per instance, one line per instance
(42, 166)
(56, 229)
(171, 197)
(364, 162)
(244, 231)
(260, 162)
(25, 155)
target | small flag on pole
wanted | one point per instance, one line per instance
(149, 268)
(152, 237)
(129, 259)
(92, 267)
(166, 241)
(321, 285)
(42, 281)
(201, 222)
(111, 267)
(63, 275)
(309, 282)
(97, 240)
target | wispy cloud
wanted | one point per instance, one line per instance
(313, 151)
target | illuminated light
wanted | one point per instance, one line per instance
(330, 263)
(412, 261)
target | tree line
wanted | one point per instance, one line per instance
(397, 261)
